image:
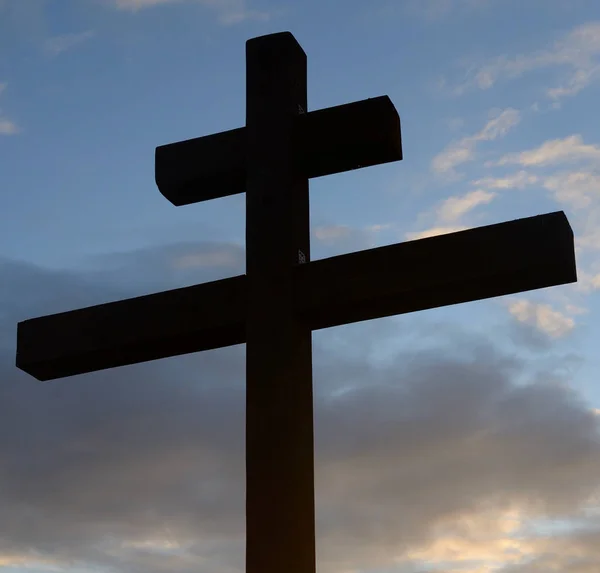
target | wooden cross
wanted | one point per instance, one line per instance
(283, 296)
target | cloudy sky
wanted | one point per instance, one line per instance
(457, 440)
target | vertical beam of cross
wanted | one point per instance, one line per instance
(280, 530)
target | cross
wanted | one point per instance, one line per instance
(284, 296)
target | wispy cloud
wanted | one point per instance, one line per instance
(448, 215)
(464, 149)
(493, 536)
(518, 180)
(587, 282)
(230, 11)
(569, 169)
(329, 233)
(542, 316)
(135, 5)
(59, 44)
(344, 238)
(434, 9)
(455, 207)
(568, 149)
(578, 52)
(578, 189)
(216, 258)
(433, 232)
(7, 126)
(577, 186)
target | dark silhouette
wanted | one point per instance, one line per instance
(284, 296)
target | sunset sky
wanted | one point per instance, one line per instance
(457, 440)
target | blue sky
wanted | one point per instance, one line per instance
(497, 100)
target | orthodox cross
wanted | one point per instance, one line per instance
(284, 296)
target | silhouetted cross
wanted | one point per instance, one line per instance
(283, 296)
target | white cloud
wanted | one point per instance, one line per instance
(491, 537)
(449, 213)
(58, 44)
(332, 233)
(578, 52)
(587, 282)
(378, 227)
(135, 5)
(455, 154)
(518, 180)
(570, 172)
(240, 14)
(567, 150)
(577, 189)
(499, 125)
(464, 149)
(434, 9)
(455, 123)
(589, 237)
(455, 207)
(542, 316)
(230, 11)
(7, 126)
(223, 258)
(433, 232)
(331, 240)
(574, 309)
(28, 561)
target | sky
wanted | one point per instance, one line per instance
(463, 439)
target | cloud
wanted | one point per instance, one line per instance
(180, 264)
(217, 258)
(7, 127)
(456, 207)
(542, 316)
(448, 215)
(433, 232)
(377, 228)
(59, 44)
(569, 171)
(455, 123)
(464, 149)
(141, 468)
(438, 8)
(570, 149)
(573, 552)
(492, 537)
(578, 52)
(518, 180)
(230, 11)
(332, 232)
(577, 189)
(333, 240)
(588, 282)
(135, 5)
